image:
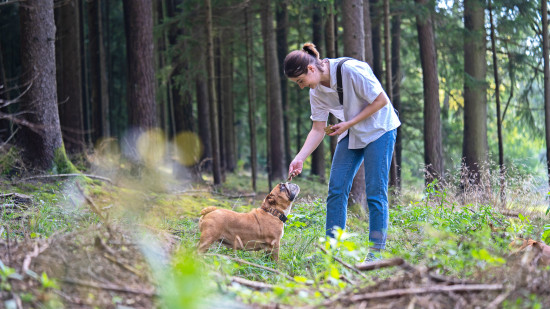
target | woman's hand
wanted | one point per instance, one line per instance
(295, 168)
(340, 128)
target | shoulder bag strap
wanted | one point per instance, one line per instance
(339, 87)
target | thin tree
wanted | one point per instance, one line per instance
(281, 15)
(330, 43)
(354, 45)
(394, 181)
(318, 155)
(475, 147)
(433, 155)
(99, 95)
(216, 165)
(376, 18)
(396, 80)
(277, 166)
(251, 95)
(40, 139)
(545, 47)
(497, 97)
(69, 87)
(369, 57)
(138, 25)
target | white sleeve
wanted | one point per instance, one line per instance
(318, 113)
(365, 84)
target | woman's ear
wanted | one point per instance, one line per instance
(311, 68)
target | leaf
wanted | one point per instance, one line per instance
(300, 279)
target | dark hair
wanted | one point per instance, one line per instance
(297, 61)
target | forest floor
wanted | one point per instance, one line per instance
(129, 241)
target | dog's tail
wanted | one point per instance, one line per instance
(208, 210)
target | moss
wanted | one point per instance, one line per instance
(62, 164)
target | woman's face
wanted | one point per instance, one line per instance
(309, 79)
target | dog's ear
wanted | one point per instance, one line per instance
(270, 199)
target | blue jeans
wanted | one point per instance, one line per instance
(345, 164)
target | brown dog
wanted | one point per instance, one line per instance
(261, 228)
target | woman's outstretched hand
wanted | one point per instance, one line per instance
(340, 128)
(295, 168)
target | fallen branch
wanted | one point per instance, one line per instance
(28, 258)
(380, 264)
(441, 278)
(68, 175)
(17, 197)
(253, 264)
(108, 286)
(429, 289)
(346, 265)
(252, 284)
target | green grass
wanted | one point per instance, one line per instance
(429, 228)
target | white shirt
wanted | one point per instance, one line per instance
(360, 88)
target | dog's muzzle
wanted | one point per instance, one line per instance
(291, 189)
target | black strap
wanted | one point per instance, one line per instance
(339, 87)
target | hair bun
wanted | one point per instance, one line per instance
(310, 49)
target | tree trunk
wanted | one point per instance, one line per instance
(396, 86)
(354, 35)
(276, 140)
(318, 156)
(138, 25)
(216, 166)
(69, 88)
(99, 99)
(433, 155)
(282, 50)
(376, 20)
(497, 96)
(475, 146)
(226, 101)
(368, 33)
(545, 47)
(330, 43)
(251, 96)
(41, 139)
(354, 46)
(394, 181)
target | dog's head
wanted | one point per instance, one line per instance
(282, 196)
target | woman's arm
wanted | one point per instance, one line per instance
(314, 138)
(380, 101)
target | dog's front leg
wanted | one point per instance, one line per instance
(275, 249)
(239, 242)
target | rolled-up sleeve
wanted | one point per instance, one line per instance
(318, 113)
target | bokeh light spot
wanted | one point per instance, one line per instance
(189, 148)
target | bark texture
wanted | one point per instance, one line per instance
(41, 136)
(138, 25)
(354, 36)
(475, 146)
(276, 140)
(433, 155)
(69, 87)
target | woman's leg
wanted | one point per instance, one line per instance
(378, 156)
(345, 164)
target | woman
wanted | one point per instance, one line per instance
(366, 132)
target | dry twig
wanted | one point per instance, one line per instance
(69, 175)
(108, 286)
(380, 264)
(28, 258)
(346, 265)
(252, 284)
(428, 289)
(253, 264)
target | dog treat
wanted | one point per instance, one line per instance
(329, 129)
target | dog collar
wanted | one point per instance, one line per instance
(275, 212)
